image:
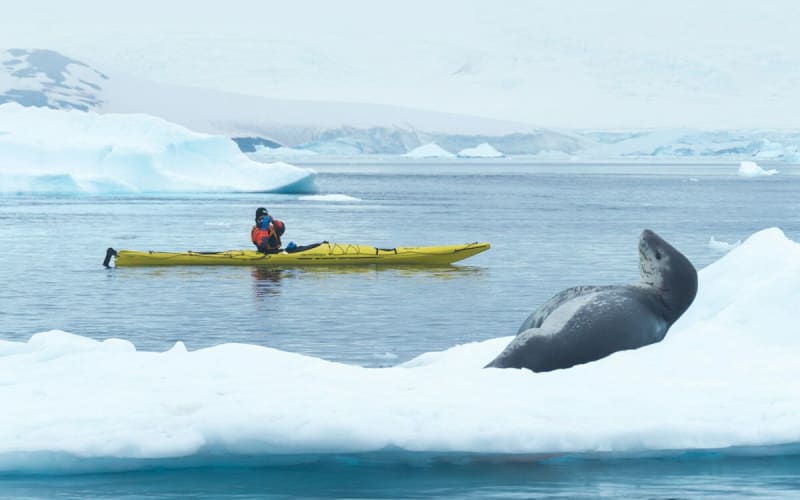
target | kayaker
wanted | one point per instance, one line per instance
(266, 234)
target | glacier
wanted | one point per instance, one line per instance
(74, 151)
(725, 378)
(47, 78)
(38, 77)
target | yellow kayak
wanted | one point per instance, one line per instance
(325, 254)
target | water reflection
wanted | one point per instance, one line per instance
(440, 272)
(267, 281)
(270, 277)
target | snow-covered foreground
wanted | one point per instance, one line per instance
(726, 376)
(45, 150)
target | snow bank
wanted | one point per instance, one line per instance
(752, 169)
(725, 376)
(72, 151)
(483, 150)
(431, 150)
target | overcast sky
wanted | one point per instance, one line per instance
(609, 64)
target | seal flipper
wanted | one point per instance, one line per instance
(528, 350)
(538, 316)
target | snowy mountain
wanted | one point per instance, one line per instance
(48, 78)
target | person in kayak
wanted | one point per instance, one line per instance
(266, 234)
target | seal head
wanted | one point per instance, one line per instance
(668, 271)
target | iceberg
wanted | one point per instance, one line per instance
(483, 150)
(430, 150)
(752, 169)
(725, 378)
(47, 150)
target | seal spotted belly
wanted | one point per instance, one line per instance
(587, 323)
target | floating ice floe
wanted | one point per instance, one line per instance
(483, 150)
(46, 150)
(265, 153)
(329, 197)
(726, 377)
(722, 246)
(431, 150)
(752, 169)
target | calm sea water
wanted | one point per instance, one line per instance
(551, 227)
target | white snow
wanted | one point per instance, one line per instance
(722, 246)
(49, 150)
(430, 150)
(483, 150)
(752, 169)
(725, 376)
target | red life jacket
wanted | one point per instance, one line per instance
(265, 239)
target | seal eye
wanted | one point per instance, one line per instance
(658, 255)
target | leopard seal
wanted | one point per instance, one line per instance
(587, 323)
